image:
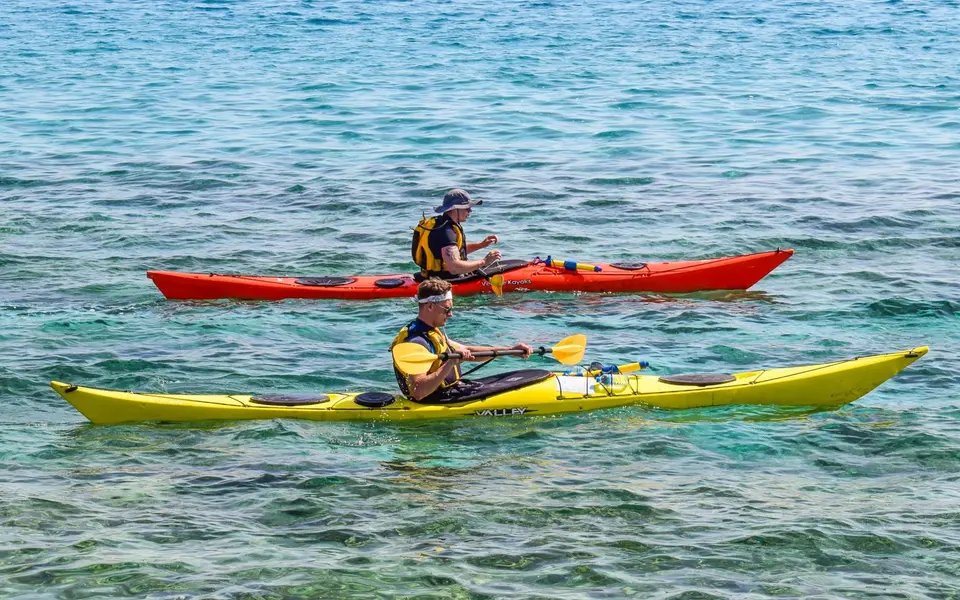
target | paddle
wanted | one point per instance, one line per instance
(496, 281)
(414, 359)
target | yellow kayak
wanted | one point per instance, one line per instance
(528, 392)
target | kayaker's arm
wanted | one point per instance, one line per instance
(457, 266)
(473, 247)
(421, 386)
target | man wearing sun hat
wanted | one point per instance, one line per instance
(440, 247)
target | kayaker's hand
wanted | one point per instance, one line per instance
(527, 350)
(490, 239)
(467, 355)
(491, 258)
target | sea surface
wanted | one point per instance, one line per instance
(307, 138)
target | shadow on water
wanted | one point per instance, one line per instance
(741, 413)
(549, 301)
(417, 437)
(735, 296)
(92, 431)
(529, 302)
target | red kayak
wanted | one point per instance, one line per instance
(726, 273)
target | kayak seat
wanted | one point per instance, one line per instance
(501, 267)
(698, 379)
(324, 281)
(476, 389)
(391, 282)
(375, 399)
(629, 266)
(289, 399)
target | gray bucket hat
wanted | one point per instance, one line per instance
(455, 199)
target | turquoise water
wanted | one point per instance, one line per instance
(307, 138)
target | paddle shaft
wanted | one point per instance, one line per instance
(493, 353)
(415, 359)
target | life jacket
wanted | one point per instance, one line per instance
(439, 344)
(429, 263)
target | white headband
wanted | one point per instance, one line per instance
(439, 298)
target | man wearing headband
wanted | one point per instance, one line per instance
(440, 247)
(435, 302)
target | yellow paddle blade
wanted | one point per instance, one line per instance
(569, 351)
(496, 283)
(413, 359)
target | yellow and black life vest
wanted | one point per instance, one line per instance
(429, 263)
(438, 341)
